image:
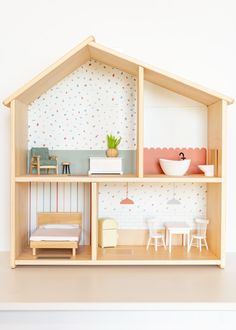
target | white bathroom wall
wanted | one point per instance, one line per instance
(172, 120)
(194, 39)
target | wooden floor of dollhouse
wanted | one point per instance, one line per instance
(124, 253)
(129, 252)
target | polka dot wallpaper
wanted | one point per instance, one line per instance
(78, 112)
(150, 200)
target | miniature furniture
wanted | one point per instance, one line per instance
(41, 160)
(155, 235)
(105, 165)
(57, 231)
(177, 228)
(107, 233)
(198, 239)
(65, 168)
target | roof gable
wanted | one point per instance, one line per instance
(89, 49)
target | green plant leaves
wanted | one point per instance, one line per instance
(112, 141)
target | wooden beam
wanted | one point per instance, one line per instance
(21, 217)
(12, 203)
(217, 193)
(89, 48)
(21, 138)
(112, 58)
(156, 75)
(140, 123)
(198, 178)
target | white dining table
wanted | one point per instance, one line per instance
(173, 228)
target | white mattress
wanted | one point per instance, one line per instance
(56, 234)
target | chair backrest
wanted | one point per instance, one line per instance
(153, 226)
(42, 152)
(201, 226)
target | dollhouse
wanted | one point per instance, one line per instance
(67, 111)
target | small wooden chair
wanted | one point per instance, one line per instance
(155, 234)
(41, 160)
(198, 239)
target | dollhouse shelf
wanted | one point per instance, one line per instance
(21, 218)
(122, 178)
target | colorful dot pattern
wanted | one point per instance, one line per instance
(79, 111)
(150, 201)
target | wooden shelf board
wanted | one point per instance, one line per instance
(185, 178)
(115, 178)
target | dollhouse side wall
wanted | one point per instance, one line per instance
(19, 192)
(216, 210)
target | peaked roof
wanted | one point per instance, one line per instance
(88, 49)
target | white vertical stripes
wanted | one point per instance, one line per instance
(46, 198)
(86, 214)
(74, 198)
(29, 210)
(40, 195)
(67, 197)
(33, 205)
(60, 197)
(53, 197)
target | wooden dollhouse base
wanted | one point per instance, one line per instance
(121, 255)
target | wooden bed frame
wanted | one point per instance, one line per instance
(57, 218)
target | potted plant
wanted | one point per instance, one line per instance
(112, 144)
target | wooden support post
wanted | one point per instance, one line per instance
(94, 220)
(217, 192)
(140, 115)
(13, 190)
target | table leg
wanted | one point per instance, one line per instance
(167, 237)
(170, 241)
(188, 239)
(184, 239)
(69, 169)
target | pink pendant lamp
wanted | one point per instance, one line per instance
(127, 200)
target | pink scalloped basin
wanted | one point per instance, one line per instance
(152, 156)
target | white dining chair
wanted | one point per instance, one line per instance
(199, 237)
(155, 234)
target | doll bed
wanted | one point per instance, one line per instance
(57, 231)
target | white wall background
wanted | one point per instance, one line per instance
(194, 39)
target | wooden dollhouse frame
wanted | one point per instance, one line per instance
(20, 180)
